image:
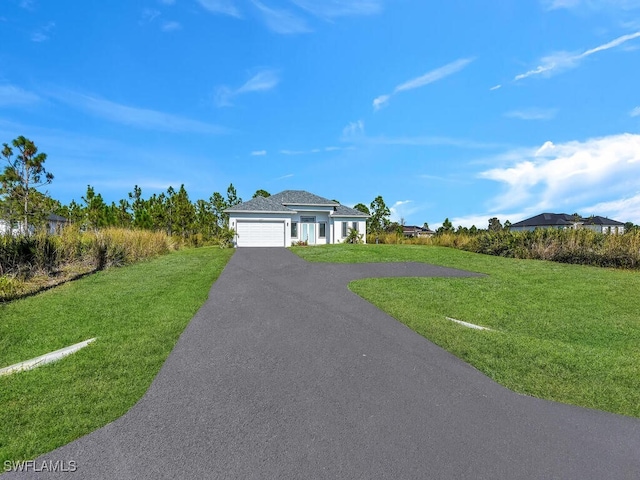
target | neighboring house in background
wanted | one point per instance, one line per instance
(563, 221)
(603, 225)
(54, 224)
(416, 232)
(293, 216)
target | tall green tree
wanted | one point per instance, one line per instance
(361, 207)
(261, 193)
(380, 213)
(495, 225)
(183, 212)
(232, 196)
(447, 227)
(95, 210)
(23, 175)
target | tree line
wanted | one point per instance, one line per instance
(22, 204)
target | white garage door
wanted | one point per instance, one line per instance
(260, 234)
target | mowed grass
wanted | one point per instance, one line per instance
(561, 332)
(137, 314)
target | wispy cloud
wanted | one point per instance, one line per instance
(340, 8)
(137, 117)
(12, 95)
(532, 114)
(591, 4)
(353, 131)
(27, 4)
(281, 21)
(311, 151)
(625, 209)
(426, 79)
(258, 153)
(495, 87)
(283, 177)
(44, 33)
(567, 176)
(224, 7)
(262, 81)
(635, 112)
(171, 26)
(149, 15)
(565, 60)
(401, 209)
(430, 141)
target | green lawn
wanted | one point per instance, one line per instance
(137, 313)
(562, 332)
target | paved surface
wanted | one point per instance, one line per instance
(286, 374)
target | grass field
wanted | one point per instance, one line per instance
(136, 312)
(561, 332)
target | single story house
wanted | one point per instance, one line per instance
(563, 221)
(293, 216)
(54, 224)
(415, 231)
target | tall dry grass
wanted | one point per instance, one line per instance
(29, 263)
(581, 246)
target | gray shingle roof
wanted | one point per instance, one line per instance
(279, 202)
(342, 211)
(546, 219)
(301, 197)
(598, 220)
(559, 219)
(260, 204)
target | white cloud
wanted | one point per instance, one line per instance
(171, 26)
(565, 60)
(625, 209)
(635, 112)
(380, 101)
(281, 21)
(495, 87)
(568, 176)
(27, 4)
(426, 79)
(400, 210)
(149, 15)
(43, 33)
(340, 8)
(353, 131)
(11, 95)
(258, 153)
(592, 4)
(225, 7)
(262, 81)
(532, 114)
(137, 117)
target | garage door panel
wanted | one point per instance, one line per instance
(260, 234)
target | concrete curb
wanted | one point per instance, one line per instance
(44, 359)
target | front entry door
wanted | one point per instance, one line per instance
(309, 233)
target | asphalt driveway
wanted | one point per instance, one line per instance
(284, 373)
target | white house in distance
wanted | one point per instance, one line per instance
(293, 216)
(563, 221)
(54, 224)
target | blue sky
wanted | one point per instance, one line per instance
(465, 109)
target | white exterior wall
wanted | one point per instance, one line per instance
(362, 228)
(322, 216)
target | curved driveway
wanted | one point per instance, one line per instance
(286, 374)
